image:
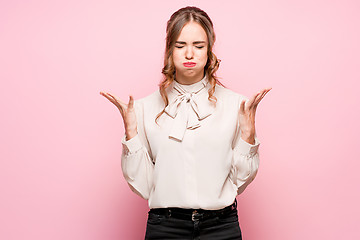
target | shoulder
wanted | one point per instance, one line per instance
(229, 95)
(149, 98)
(152, 100)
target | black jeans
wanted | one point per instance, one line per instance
(164, 227)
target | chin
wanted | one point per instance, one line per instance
(191, 73)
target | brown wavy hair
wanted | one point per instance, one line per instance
(174, 26)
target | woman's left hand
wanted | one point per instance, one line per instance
(247, 116)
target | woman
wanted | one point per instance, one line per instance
(190, 148)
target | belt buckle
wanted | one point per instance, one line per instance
(194, 213)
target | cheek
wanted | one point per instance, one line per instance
(204, 57)
(176, 57)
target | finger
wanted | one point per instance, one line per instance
(252, 101)
(268, 90)
(119, 102)
(115, 102)
(265, 91)
(109, 97)
(131, 102)
(103, 94)
(258, 101)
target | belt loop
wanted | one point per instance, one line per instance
(235, 203)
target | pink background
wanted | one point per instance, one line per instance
(60, 139)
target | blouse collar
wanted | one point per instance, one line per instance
(195, 87)
(188, 106)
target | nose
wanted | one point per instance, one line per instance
(189, 53)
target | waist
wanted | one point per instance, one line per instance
(192, 214)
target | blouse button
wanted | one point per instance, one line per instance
(253, 151)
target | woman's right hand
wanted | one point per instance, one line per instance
(127, 112)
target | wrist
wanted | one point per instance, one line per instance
(130, 133)
(248, 137)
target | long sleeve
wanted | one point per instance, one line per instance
(245, 162)
(136, 161)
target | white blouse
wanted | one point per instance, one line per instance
(194, 157)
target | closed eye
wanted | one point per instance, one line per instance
(183, 46)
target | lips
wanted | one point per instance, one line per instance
(189, 64)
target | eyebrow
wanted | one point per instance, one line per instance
(196, 42)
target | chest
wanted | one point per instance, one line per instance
(215, 132)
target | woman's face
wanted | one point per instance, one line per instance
(191, 46)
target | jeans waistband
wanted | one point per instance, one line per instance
(192, 214)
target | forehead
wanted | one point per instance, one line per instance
(192, 31)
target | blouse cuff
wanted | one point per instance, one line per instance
(245, 148)
(133, 145)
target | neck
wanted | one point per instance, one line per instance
(187, 80)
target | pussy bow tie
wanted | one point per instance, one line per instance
(188, 109)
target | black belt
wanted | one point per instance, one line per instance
(192, 214)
